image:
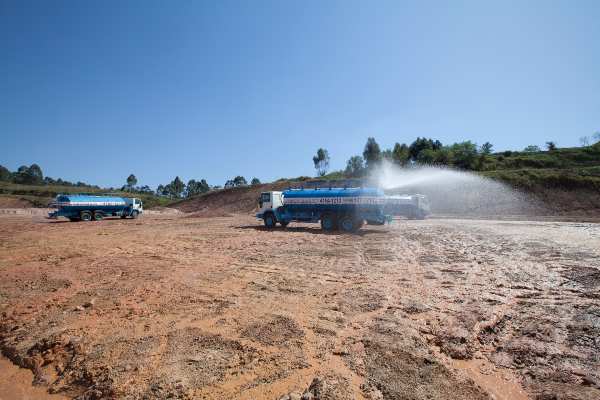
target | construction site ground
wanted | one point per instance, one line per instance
(180, 306)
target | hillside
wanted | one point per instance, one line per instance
(562, 182)
(228, 201)
(565, 181)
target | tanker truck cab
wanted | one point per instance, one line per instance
(136, 206)
(268, 204)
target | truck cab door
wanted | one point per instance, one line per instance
(266, 201)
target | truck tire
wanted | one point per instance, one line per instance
(269, 220)
(98, 215)
(86, 216)
(347, 223)
(328, 222)
(134, 214)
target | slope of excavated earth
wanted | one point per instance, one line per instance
(13, 202)
(226, 202)
(172, 306)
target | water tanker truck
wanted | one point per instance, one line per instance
(79, 207)
(338, 208)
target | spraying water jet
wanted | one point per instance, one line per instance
(453, 192)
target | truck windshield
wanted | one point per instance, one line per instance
(265, 197)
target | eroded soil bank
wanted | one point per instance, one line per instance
(218, 308)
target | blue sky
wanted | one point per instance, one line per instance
(94, 91)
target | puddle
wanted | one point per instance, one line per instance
(15, 384)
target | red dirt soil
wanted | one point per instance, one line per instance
(219, 308)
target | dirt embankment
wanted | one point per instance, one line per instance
(219, 308)
(14, 202)
(226, 202)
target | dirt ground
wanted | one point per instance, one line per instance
(174, 306)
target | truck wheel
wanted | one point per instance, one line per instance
(328, 222)
(86, 216)
(98, 215)
(134, 214)
(270, 221)
(350, 224)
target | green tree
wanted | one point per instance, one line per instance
(426, 156)
(255, 181)
(371, 153)
(387, 155)
(532, 149)
(35, 172)
(31, 175)
(421, 144)
(551, 146)
(354, 167)
(195, 187)
(464, 154)
(176, 187)
(5, 175)
(443, 156)
(321, 161)
(486, 148)
(131, 181)
(240, 181)
(400, 154)
(204, 187)
(191, 188)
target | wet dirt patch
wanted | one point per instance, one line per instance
(195, 359)
(274, 331)
(360, 300)
(399, 374)
(589, 277)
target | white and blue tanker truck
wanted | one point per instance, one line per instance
(80, 207)
(338, 208)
